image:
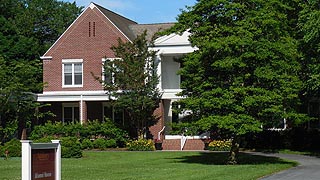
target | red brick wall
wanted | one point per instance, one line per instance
(159, 124)
(194, 144)
(171, 144)
(175, 144)
(76, 44)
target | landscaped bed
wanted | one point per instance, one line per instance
(157, 165)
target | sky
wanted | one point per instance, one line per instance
(142, 11)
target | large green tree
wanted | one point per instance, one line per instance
(28, 28)
(131, 79)
(244, 77)
(309, 24)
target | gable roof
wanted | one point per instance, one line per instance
(121, 22)
(129, 28)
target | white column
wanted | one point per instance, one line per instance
(159, 70)
(58, 160)
(26, 159)
(81, 109)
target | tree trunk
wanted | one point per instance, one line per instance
(234, 152)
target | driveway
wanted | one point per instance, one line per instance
(308, 168)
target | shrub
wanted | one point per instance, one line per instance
(111, 143)
(46, 139)
(86, 144)
(13, 147)
(141, 145)
(220, 145)
(99, 143)
(91, 130)
(70, 147)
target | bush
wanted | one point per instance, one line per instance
(99, 143)
(111, 143)
(70, 147)
(220, 145)
(86, 144)
(91, 130)
(13, 147)
(141, 145)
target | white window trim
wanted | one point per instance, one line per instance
(72, 61)
(73, 105)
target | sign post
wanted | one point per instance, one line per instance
(41, 161)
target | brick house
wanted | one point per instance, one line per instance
(73, 92)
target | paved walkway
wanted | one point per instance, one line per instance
(309, 168)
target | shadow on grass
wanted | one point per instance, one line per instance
(288, 151)
(220, 158)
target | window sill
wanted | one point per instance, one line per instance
(72, 86)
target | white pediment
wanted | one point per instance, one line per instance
(173, 40)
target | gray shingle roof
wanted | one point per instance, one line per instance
(131, 28)
(121, 22)
(138, 29)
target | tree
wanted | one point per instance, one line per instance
(132, 81)
(28, 28)
(245, 74)
(310, 46)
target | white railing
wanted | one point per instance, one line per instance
(183, 142)
(159, 133)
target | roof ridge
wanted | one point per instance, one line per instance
(114, 13)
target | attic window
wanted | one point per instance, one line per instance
(93, 29)
(89, 29)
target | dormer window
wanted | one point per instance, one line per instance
(72, 70)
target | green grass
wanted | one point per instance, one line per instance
(157, 165)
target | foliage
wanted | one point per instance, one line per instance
(246, 72)
(90, 130)
(102, 143)
(132, 80)
(220, 145)
(86, 144)
(13, 147)
(70, 147)
(185, 128)
(298, 139)
(28, 28)
(141, 145)
(310, 47)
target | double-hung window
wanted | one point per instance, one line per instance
(72, 70)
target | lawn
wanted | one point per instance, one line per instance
(157, 165)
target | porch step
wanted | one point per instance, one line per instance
(191, 144)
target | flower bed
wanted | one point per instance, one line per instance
(220, 145)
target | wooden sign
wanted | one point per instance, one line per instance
(43, 164)
(40, 161)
